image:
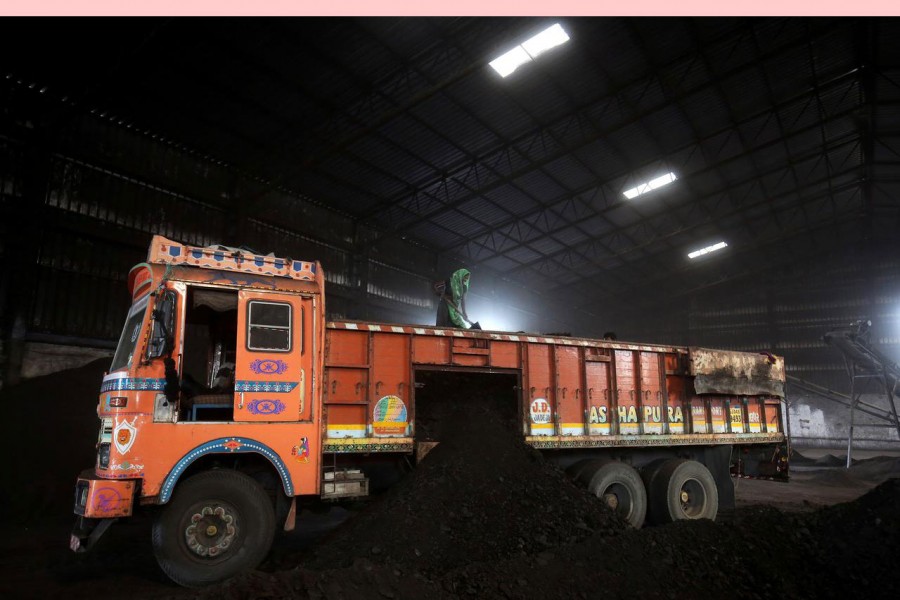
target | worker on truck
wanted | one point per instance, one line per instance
(452, 306)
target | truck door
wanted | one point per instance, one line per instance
(273, 370)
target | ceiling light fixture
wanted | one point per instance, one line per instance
(650, 185)
(529, 50)
(707, 250)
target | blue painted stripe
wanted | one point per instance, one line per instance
(245, 445)
(276, 387)
(132, 383)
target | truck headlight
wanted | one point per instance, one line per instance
(81, 494)
(103, 455)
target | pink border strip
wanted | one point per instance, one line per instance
(456, 8)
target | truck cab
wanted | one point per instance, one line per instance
(217, 367)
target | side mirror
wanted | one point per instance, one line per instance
(162, 338)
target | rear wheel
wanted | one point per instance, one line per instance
(621, 488)
(218, 524)
(586, 465)
(681, 489)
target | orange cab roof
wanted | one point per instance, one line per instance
(224, 258)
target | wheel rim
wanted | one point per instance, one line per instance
(619, 499)
(211, 530)
(692, 497)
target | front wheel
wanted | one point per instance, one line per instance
(218, 524)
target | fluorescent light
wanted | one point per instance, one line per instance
(529, 50)
(643, 188)
(707, 250)
(551, 37)
(510, 61)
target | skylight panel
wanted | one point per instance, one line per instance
(707, 250)
(653, 184)
(510, 61)
(551, 37)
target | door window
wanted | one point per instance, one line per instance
(269, 326)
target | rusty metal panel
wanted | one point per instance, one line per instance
(390, 395)
(736, 415)
(627, 402)
(599, 392)
(346, 385)
(675, 406)
(700, 422)
(347, 347)
(504, 355)
(738, 373)
(570, 401)
(540, 396)
(346, 421)
(717, 412)
(754, 415)
(470, 352)
(431, 350)
(652, 406)
(773, 416)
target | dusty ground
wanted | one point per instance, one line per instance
(483, 517)
(819, 483)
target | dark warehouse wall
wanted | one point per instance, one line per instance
(81, 197)
(788, 313)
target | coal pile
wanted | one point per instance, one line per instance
(49, 434)
(862, 541)
(484, 516)
(480, 495)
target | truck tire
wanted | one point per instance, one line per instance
(576, 471)
(218, 524)
(649, 473)
(681, 489)
(620, 487)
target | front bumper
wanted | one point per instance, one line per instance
(97, 498)
(98, 504)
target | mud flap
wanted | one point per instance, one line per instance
(718, 460)
(290, 521)
(86, 533)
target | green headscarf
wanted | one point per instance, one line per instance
(459, 285)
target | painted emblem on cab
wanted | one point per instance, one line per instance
(265, 407)
(265, 366)
(301, 451)
(124, 435)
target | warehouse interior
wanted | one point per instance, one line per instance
(389, 150)
(574, 188)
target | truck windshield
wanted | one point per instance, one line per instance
(130, 335)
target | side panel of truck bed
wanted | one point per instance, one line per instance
(575, 392)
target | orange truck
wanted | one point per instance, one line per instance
(230, 397)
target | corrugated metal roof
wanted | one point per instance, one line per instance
(400, 124)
